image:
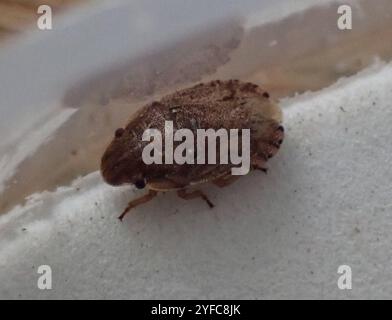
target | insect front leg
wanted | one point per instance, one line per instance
(194, 194)
(225, 180)
(134, 203)
(259, 163)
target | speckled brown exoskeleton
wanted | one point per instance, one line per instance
(218, 104)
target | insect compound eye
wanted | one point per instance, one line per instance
(119, 132)
(140, 184)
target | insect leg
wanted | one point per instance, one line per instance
(134, 203)
(265, 170)
(225, 181)
(194, 194)
(258, 163)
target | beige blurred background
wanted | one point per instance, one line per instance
(18, 16)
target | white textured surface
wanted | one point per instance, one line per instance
(325, 202)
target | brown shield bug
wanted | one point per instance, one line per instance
(217, 104)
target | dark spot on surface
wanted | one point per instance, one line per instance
(174, 108)
(249, 87)
(266, 95)
(156, 104)
(281, 128)
(341, 108)
(140, 184)
(74, 152)
(119, 132)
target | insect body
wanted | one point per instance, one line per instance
(215, 105)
